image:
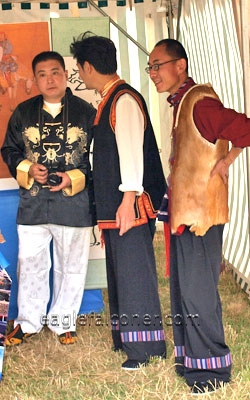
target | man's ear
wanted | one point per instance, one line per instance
(66, 74)
(87, 66)
(182, 65)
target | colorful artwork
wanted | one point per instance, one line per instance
(19, 43)
(5, 289)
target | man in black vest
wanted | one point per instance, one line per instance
(128, 186)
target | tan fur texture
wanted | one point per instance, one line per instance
(197, 200)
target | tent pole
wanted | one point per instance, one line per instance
(178, 19)
(92, 3)
(170, 19)
(244, 14)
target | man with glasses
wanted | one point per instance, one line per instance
(198, 194)
(128, 185)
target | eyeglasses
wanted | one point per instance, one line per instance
(155, 67)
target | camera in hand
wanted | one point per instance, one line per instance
(53, 179)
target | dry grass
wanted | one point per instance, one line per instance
(42, 369)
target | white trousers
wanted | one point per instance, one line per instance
(70, 252)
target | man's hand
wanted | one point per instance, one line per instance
(221, 168)
(223, 165)
(66, 182)
(125, 215)
(39, 173)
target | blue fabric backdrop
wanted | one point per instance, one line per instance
(92, 300)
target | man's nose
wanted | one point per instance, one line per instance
(152, 73)
(50, 78)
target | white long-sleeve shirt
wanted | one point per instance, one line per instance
(129, 131)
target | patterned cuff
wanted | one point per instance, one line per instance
(77, 182)
(22, 177)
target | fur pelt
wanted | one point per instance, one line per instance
(197, 200)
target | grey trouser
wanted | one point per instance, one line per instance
(135, 313)
(195, 265)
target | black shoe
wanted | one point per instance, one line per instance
(179, 369)
(208, 387)
(116, 349)
(132, 365)
(179, 366)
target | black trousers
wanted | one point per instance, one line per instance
(135, 313)
(200, 350)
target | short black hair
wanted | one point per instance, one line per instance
(99, 51)
(174, 48)
(45, 56)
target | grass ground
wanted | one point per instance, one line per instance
(43, 369)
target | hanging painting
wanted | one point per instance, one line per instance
(5, 290)
(19, 43)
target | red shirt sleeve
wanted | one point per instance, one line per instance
(214, 121)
